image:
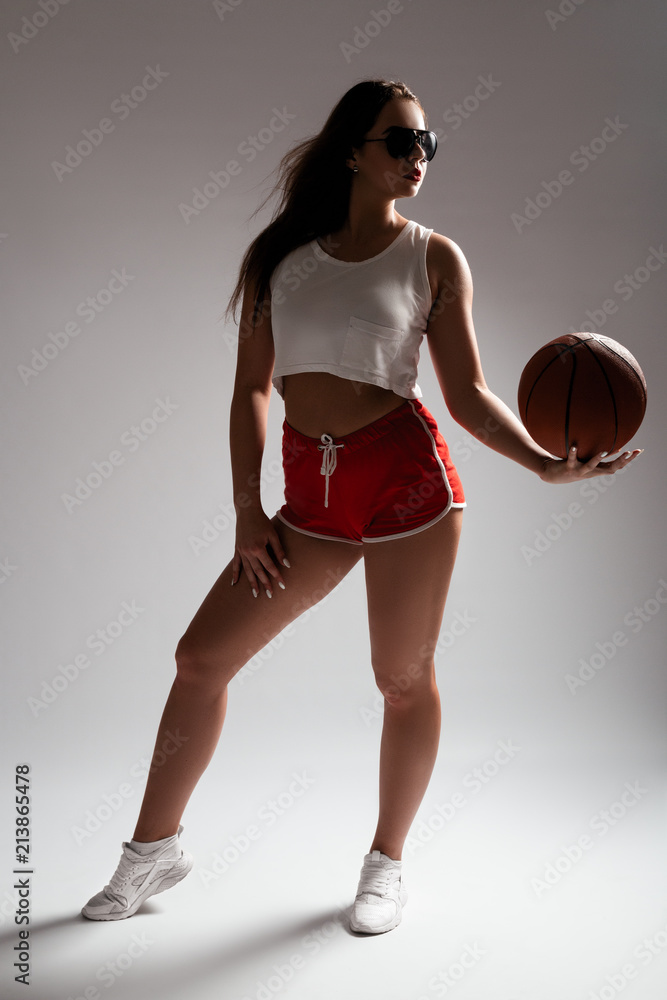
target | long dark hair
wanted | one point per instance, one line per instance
(315, 181)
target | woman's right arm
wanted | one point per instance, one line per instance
(247, 436)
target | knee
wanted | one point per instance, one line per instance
(198, 668)
(408, 686)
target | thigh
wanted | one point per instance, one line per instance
(231, 625)
(407, 580)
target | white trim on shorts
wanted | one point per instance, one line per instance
(382, 538)
(414, 531)
(315, 534)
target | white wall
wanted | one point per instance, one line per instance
(215, 76)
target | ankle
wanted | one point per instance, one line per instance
(391, 852)
(148, 835)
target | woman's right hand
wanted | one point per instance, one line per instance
(257, 545)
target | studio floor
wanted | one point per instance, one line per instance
(518, 890)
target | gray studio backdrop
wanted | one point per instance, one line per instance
(138, 139)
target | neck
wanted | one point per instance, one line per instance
(368, 216)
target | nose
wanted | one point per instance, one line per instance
(417, 157)
(417, 149)
(422, 152)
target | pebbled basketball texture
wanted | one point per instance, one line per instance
(583, 389)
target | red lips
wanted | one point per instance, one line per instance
(414, 176)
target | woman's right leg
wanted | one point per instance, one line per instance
(229, 628)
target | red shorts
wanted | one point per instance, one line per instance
(392, 477)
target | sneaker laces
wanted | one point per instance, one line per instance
(375, 878)
(126, 871)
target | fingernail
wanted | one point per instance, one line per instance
(286, 563)
(254, 592)
(233, 582)
(281, 584)
(604, 453)
(268, 593)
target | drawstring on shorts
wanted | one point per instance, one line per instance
(329, 460)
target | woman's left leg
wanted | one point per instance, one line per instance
(407, 580)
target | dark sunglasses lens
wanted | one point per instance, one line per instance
(429, 144)
(402, 142)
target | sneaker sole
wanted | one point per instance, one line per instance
(153, 889)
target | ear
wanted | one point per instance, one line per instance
(351, 161)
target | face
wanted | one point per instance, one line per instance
(382, 171)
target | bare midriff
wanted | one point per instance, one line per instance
(319, 403)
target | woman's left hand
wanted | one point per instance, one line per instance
(570, 469)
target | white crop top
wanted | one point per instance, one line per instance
(362, 320)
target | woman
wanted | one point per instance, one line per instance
(338, 292)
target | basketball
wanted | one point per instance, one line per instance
(583, 389)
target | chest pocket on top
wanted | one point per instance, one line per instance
(370, 347)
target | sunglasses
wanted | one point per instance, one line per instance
(401, 141)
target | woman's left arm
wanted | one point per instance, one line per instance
(453, 348)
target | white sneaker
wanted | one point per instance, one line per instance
(137, 877)
(381, 895)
